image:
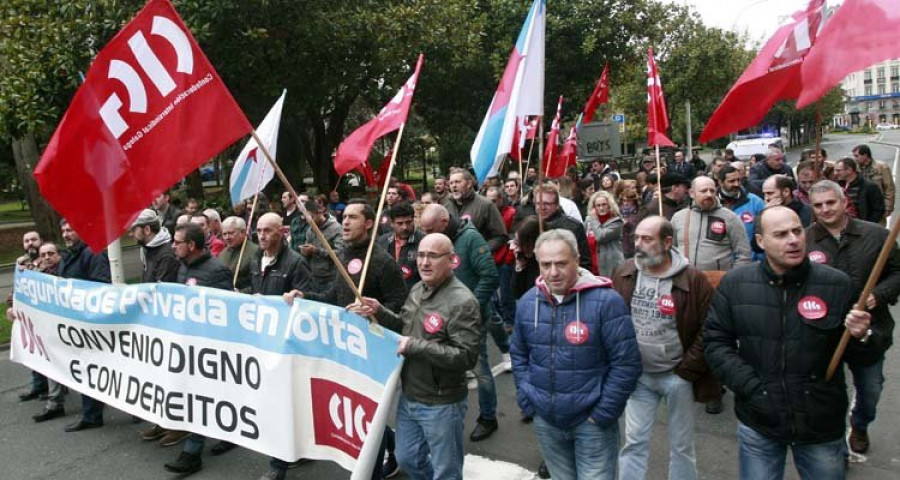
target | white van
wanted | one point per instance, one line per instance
(746, 147)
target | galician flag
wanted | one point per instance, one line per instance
(520, 93)
(251, 170)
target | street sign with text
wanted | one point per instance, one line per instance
(599, 140)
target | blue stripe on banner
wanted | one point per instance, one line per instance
(487, 151)
(308, 328)
(238, 185)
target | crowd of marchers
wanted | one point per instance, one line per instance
(605, 296)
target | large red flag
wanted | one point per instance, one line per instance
(861, 33)
(553, 168)
(599, 96)
(568, 155)
(772, 76)
(355, 149)
(151, 110)
(657, 117)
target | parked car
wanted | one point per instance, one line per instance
(746, 147)
(886, 126)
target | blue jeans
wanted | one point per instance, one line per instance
(584, 452)
(868, 382)
(639, 416)
(39, 381)
(91, 409)
(431, 429)
(194, 444)
(763, 459)
(487, 392)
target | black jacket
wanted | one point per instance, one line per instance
(80, 263)
(384, 281)
(288, 272)
(867, 198)
(160, 264)
(565, 222)
(855, 255)
(759, 345)
(408, 252)
(205, 271)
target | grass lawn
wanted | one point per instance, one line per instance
(5, 327)
(13, 212)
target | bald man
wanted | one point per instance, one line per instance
(440, 328)
(275, 268)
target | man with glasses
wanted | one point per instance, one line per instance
(877, 173)
(439, 324)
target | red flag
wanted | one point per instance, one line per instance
(381, 174)
(532, 128)
(657, 117)
(553, 168)
(151, 110)
(569, 153)
(518, 143)
(772, 76)
(861, 33)
(355, 149)
(365, 169)
(599, 96)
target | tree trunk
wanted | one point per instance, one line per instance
(26, 156)
(195, 185)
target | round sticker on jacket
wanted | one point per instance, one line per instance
(407, 272)
(666, 305)
(191, 282)
(718, 227)
(812, 308)
(747, 217)
(818, 257)
(355, 266)
(577, 333)
(433, 323)
(454, 261)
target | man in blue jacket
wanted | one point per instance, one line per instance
(575, 361)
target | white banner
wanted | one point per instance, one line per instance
(291, 382)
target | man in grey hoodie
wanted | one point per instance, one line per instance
(709, 235)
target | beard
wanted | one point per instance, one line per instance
(650, 259)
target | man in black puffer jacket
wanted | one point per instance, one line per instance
(769, 337)
(275, 268)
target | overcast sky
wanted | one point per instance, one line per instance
(759, 17)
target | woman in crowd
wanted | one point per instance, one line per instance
(604, 229)
(629, 207)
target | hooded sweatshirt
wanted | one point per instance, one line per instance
(717, 239)
(654, 317)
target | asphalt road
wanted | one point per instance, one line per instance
(44, 451)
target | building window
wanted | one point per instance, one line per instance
(881, 89)
(895, 71)
(895, 88)
(880, 72)
(867, 75)
(868, 90)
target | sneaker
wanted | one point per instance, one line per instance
(484, 429)
(507, 363)
(543, 472)
(390, 469)
(154, 433)
(714, 407)
(274, 474)
(859, 440)
(173, 437)
(185, 464)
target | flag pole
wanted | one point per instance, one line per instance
(249, 225)
(883, 257)
(527, 166)
(521, 176)
(659, 192)
(390, 170)
(312, 224)
(536, 199)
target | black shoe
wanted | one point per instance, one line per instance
(484, 429)
(49, 414)
(714, 407)
(390, 469)
(542, 470)
(32, 395)
(221, 447)
(82, 425)
(185, 464)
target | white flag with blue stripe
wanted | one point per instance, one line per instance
(251, 171)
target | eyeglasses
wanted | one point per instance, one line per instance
(431, 255)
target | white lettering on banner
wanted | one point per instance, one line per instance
(305, 328)
(351, 420)
(152, 66)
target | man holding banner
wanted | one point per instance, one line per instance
(440, 323)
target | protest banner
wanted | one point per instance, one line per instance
(301, 381)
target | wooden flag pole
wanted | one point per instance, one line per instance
(659, 192)
(527, 165)
(393, 160)
(249, 225)
(521, 177)
(312, 224)
(889, 245)
(536, 195)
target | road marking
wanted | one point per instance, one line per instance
(478, 468)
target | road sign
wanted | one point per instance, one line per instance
(618, 118)
(599, 140)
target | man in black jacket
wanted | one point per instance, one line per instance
(157, 257)
(773, 165)
(866, 199)
(403, 241)
(852, 246)
(79, 262)
(787, 314)
(275, 268)
(198, 268)
(547, 198)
